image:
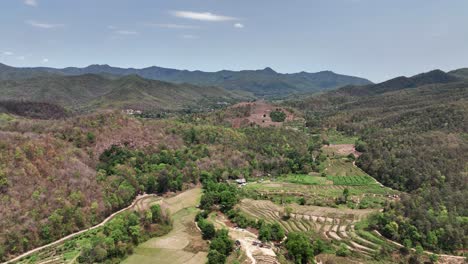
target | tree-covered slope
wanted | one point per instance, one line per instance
(413, 135)
(61, 176)
(264, 82)
(90, 91)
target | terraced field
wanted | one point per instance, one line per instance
(332, 224)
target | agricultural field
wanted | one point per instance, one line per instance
(336, 174)
(65, 253)
(332, 224)
(352, 180)
(316, 205)
(304, 179)
(183, 244)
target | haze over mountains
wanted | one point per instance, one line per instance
(262, 83)
(91, 91)
(155, 88)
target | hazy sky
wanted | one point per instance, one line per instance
(376, 39)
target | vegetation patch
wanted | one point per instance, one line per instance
(351, 180)
(278, 116)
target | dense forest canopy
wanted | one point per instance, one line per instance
(413, 135)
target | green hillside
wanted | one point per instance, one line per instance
(412, 132)
(90, 91)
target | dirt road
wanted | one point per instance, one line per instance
(135, 201)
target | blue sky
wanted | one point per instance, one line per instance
(376, 39)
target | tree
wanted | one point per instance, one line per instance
(287, 212)
(227, 200)
(264, 234)
(207, 228)
(215, 257)
(433, 258)
(277, 232)
(299, 248)
(156, 213)
(391, 230)
(222, 243)
(318, 246)
(346, 194)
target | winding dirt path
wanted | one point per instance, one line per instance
(135, 201)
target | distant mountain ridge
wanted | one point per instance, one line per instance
(402, 82)
(91, 91)
(262, 83)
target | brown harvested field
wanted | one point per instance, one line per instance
(342, 149)
(183, 245)
(257, 113)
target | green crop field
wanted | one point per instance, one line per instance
(352, 180)
(304, 179)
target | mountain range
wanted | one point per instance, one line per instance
(262, 83)
(91, 91)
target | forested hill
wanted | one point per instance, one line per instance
(402, 82)
(264, 82)
(90, 91)
(413, 132)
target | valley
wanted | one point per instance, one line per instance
(233, 132)
(111, 186)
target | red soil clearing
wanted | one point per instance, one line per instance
(259, 115)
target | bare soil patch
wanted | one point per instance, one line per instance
(257, 113)
(342, 149)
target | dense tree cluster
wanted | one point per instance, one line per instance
(277, 116)
(299, 248)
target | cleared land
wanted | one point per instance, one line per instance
(183, 244)
(254, 253)
(257, 113)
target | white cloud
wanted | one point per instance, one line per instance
(174, 26)
(45, 60)
(7, 53)
(125, 32)
(202, 16)
(43, 25)
(21, 58)
(238, 25)
(188, 36)
(30, 2)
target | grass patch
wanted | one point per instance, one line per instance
(336, 137)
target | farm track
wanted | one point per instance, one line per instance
(57, 242)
